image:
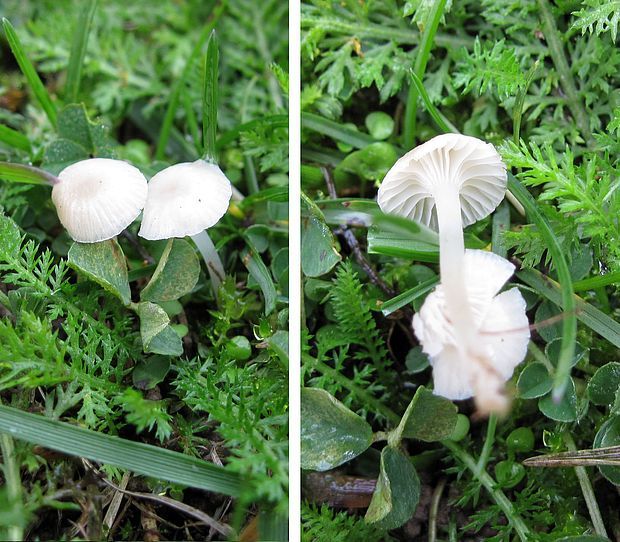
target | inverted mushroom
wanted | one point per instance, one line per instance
(448, 183)
(499, 327)
(98, 198)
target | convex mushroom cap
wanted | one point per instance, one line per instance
(452, 162)
(500, 329)
(98, 198)
(185, 199)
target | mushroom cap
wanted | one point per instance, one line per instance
(98, 198)
(499, 323)
(470, 165)
(185, 199)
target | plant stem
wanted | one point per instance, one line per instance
(587, 490)
(424, 50)
(378, 406)
(210, 99)
(552, 35)
(492, 488)
(434, 508)
(13, 482)
(211, 258)
(488, 444)
(382, 32)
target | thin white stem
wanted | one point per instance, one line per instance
(452, 260)
(211, 258)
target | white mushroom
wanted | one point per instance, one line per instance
(185, 199)
(448, 182)
(499, 328)
(98, 198)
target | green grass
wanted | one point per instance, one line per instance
(191, 430)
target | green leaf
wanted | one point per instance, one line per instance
(563, 411)
(78, 50)
(335, 130)
(157, 335)
(604, 384)
(397, 493)
(61, 153)
(36, 85)
(10, 238)
(150, 372)
(428, 417)
(380, 125)
(609, 435)
(14, 139)
(260, 273)
(74, 125)
(583, 538)
(534, 381)
(331, 434)
(416, 360)
(19, 173)
(318, 248)
(278, 342)
(103, 263)
(176, 274)
(140, 458)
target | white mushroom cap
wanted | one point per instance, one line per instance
(472, 166)
(185, 199)
(98, 198)
(500, 328)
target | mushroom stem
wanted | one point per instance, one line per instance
(211, 258)
(451, 261)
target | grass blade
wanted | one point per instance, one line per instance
(38, 89)
(423, 53)
(138, 457)
(175, 93)
(259, 272)
(209, 100)
(569, 325)
(335, 130)
(78, 50)
(591, 283)
(442, 122)
(20, 173)
(595, 319)
(14, 139)
(408, 296)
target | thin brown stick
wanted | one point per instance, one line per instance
(221, 528)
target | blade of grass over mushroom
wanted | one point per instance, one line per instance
(599, 281)
(14, 139)
(138, 457)
(335, 130)
(442, 122)
(393, 235)
(36, 85)
(78, 50)
(408, 296)
(20, 173)
(209, 100)
(592, 317)
(175, 93)
(569, 325)
(423, 52)
(609, 455)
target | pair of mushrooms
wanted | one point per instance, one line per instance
(98, 198)
(474, 335)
